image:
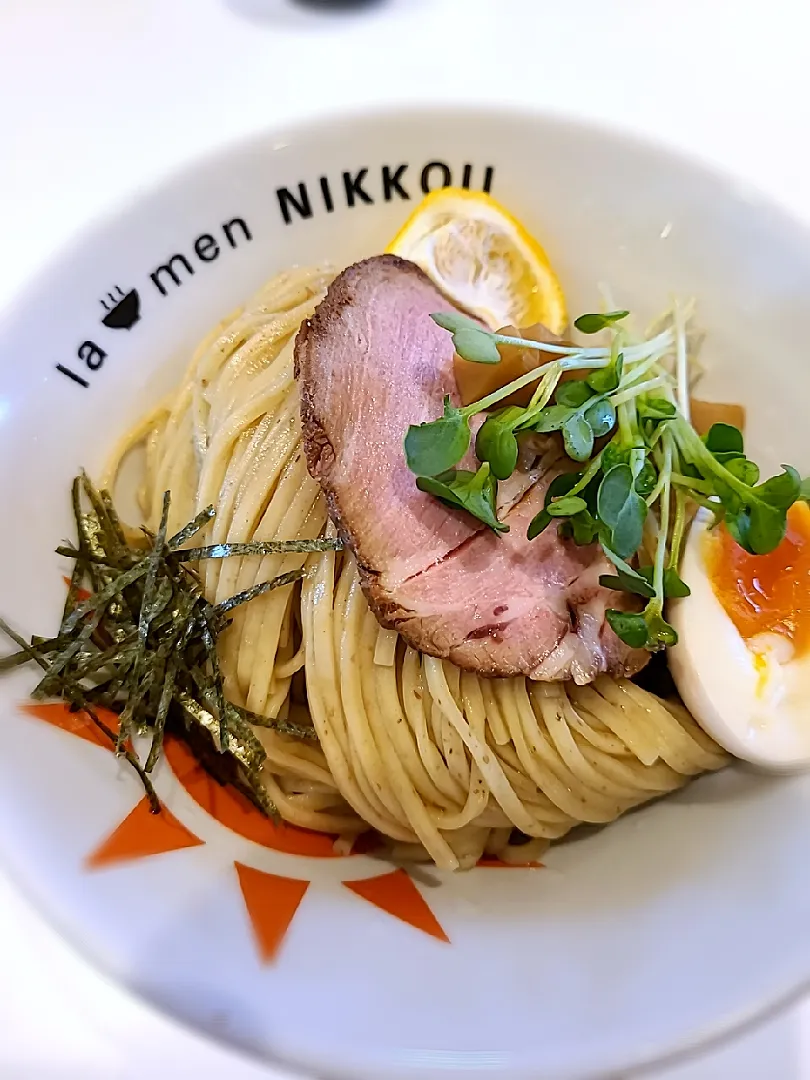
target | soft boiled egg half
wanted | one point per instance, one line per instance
(742, 662)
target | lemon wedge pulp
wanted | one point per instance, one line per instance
(482, 259)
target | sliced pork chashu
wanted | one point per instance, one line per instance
(370, 362)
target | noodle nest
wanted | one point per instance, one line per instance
(441, 762)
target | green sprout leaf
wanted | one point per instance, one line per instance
(804, 489)
(567, 506)
(745, 470)
(602, 418)
(592, 324)
(757, 528)
(470, 340)
(766, 528)
(688, 469)
(758, 520)
(648, 629)
(629, 626)
(629, 529)
(780, 491)
(738, 523)
(551, 418)
(497, 444)
(577, 438)
(573, 393)
(645, 479)
(539, 523)
(622, 509)
(622, 582)
(561, 485)
(433, 448)
(477, 346)
(730, 499)
(724, 439)
(452, 321)
(656, 408)
(675, 587)
(614, 491)
(641, 581)
(474, 492)
(606, 380)
(614, 454)
(584, 528)
(580, 526)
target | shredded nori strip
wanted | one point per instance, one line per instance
(257, 590)
(166, 695)
(283, 727)
(138, 637)
(193, 527)
(148, 609)
(258, 547)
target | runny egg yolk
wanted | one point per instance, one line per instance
(765, 593)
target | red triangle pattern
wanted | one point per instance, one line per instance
(271, 902)
(142, 834)
(396, 894)
(78, 723)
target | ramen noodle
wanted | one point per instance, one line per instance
(442, 763)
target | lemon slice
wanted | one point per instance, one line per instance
(482, 259)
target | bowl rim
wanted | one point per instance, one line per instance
(716, 1033)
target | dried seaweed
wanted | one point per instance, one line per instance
(193, 527)
(283, 727)
(258, 547)
(257, 590)
(138, 637)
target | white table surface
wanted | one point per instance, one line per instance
(98, 98)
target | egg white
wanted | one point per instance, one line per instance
(752, 698)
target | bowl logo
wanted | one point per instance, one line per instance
(123, 309)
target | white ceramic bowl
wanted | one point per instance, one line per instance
(678, 923)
